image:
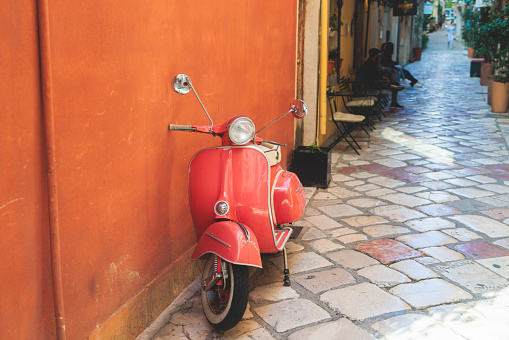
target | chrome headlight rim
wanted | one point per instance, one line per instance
(221, 208)
(241, 130)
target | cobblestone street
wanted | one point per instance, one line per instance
(410, 240)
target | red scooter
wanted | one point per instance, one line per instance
(241, 200)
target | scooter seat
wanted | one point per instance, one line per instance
(273, 155)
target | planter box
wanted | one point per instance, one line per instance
(475, 67)
(312, 168)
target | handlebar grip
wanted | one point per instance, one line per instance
(175, 127)
(267, 145)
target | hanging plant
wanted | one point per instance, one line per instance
(333, 23)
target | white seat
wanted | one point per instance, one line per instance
(361, 103)
(273, 155)
(347, 117)
(365, 98)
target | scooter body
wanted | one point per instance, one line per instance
(261, 197)
(241, 201)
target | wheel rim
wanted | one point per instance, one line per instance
(217, 301)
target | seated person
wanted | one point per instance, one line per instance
(375, 77)
(387, 62)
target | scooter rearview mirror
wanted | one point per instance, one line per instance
(298, 108)
(182, 84)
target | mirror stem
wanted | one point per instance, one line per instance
(204, 109)
(275, 120)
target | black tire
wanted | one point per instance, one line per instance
(224, 308)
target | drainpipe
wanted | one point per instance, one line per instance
(324, 53)
(367, 30)
(49, 144)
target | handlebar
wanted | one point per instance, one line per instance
(175, 127)
(269, 144)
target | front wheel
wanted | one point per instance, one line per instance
(225, 303)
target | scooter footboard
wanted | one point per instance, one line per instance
(232, 241)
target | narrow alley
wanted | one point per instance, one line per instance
(410, 240)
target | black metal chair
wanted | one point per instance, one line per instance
(345, 122)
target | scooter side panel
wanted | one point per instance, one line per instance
(289, 198)
(227, 240)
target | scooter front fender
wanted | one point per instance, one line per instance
(232, 242)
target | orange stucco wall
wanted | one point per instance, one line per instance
(122, 189)
(25, 280)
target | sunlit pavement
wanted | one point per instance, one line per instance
(411, 239)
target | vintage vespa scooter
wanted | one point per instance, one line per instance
(241, 200)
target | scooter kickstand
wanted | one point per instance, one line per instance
(286, 279)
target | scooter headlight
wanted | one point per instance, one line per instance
(241, 130)
(221, 208)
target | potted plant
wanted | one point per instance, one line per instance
(486, 46)
(334, 61)
(333, 25)
(469, 30)
(418, 28)
(312, 164)
(500, 85)
(425, 40)
(499, 31)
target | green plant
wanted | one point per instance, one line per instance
(425, 39)
(333, 23)
(495, 32)
(470, 24)
(334, 54)
(428, 19)
(313, 148)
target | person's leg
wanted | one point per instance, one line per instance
(409, 76)
(401, 76)
(392, 75)
(394, 100)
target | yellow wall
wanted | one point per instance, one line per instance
(346, 53)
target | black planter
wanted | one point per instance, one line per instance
(313, 168)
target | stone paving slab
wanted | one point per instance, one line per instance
(472, 276)
(297, 313)
(434, 178)
(324, 280)
(430, 292)
(342, 329)
(363, 301)
(414, 326)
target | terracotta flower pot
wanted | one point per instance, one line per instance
(331, 64)
(471, 52)
(334, 64)
(417, 53)
(499, 97)
(486, 71)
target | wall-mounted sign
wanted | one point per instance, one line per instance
(428, 8)
(404, 7)
(483, 3)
